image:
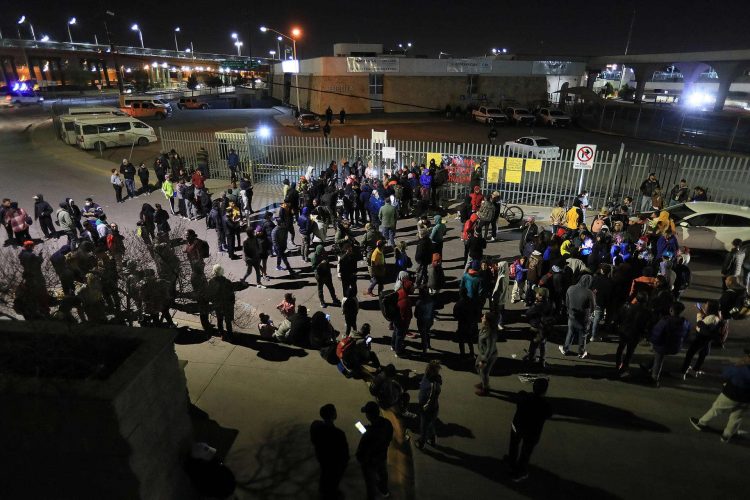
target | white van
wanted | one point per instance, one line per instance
(67, 121)
(102, 132)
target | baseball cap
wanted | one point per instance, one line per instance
(370, 408)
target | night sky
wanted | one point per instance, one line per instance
(461, 28)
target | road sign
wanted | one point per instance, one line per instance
(389, 153)
(584, 157)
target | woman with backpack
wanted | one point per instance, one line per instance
(709, 327)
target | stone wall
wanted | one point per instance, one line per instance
(122, 437)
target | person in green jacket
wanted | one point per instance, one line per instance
(388, 216)
(167, 188)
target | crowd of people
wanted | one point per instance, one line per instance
(621, 276)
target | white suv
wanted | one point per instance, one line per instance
(553, 118)
(520, 116)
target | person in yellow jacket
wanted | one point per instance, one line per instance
(167, 188)
(574, 216)
(377, 265)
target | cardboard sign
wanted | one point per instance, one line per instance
(513, 170)
(494, 165)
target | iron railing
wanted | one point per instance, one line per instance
(613, 175)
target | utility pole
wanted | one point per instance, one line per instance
(627, 47)
(113, 50)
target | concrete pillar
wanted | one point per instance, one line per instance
(642, 74)
(728, 72)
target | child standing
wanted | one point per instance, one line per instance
(519, 281)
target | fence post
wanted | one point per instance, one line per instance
(734, 134)
(613, 173)
(249, 158)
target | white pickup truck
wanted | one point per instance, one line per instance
(484, 114)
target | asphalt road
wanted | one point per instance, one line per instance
(608, 439)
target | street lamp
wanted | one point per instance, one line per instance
(176, 30)
(140, 34)
(296, 33)
(31, 27)
(272, 53)
(238, 44)
(71, 22)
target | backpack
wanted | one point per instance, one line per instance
(344, 345)
(512, 269)
(212, 218)
(203, 249)
(389, 304)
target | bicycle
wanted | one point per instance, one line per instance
(513, 214)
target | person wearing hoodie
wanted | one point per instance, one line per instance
(476, 199)
(303, 222)
(471, 284)
(322, 269)
(43, 213)
(437, 234)
(667, 337)
(65, 221)
(581, 302)
(423, 256)
(435, 275)
(401, 323)
(486, 352)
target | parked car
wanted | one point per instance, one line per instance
(308, 121)
(21, 97)
(520, 116)
(484, 114)
(191, 103)
(706, 225)
(553, 118)
(532, 147)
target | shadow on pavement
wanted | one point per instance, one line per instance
(581, 411)
(208, 431)
(281, 466)
(269, 351)
(187, 336)
(540, 484)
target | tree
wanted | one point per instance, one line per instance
(214, 81)
(626, 93)
(140, 80)
(77, 76)
(192, 82)
(238, 81)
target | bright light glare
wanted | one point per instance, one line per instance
(134, 27)
(44, 38)
(22, 20)
(234, 36)
(177, 29)
(263, 29)
(698, 99)
(296, 32)
(72, 20)
(264, 132)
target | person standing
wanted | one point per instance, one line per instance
(734, 398)
(388, 216)
(322, 269)
(707, 330)
(487, 352)
(233, 163)
(581, 302)
(329, 115)
(377, 269)
(65, 221)
(733, 261)
(425, 314)
(221, 294)
(647, 189)
(43, 213)
(429, 395)
(128, 173)
(167, 189)
(342, 116)
(372, 452)
(143, 175)
(557, 216)
(116, 184)
(667, 338)
(326, 131)
(532, 411)
(331, 450)
(251, 253)
(680, 193)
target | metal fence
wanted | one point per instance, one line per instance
(522, 181)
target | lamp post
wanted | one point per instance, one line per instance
(71, 22)
(140, 34)
(23, 20)
(296, 32)
(404, 47)
(278, 46)
(272, 53)
(176, 47)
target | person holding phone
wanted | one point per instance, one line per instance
(372, 452)
(331, 450)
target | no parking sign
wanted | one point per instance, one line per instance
(584, 157)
